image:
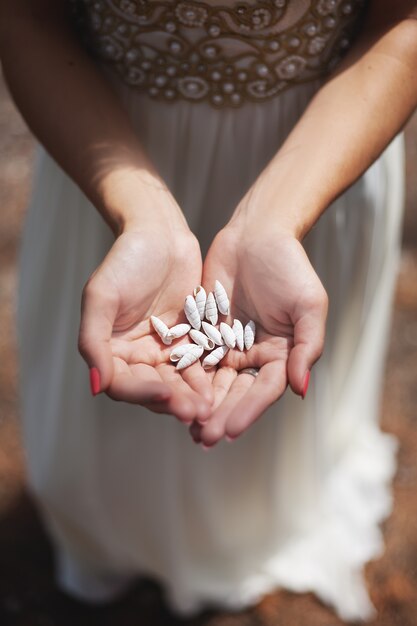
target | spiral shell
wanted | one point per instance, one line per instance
(179, 351)
(250, 331)
(202, 340)
(215, 357)
(213, 333)
(190, 357)
(222, 300)
(161, 329)
(228, 335)
(211, 309)
(200, 300)
(238, 331)
(191, 312)
(178, 331)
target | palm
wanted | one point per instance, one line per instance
(146, 276)
(271, 282)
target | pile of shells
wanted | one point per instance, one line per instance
(225, 337)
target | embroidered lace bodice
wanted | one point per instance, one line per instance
(224, 52)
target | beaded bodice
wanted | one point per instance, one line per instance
(223, 52)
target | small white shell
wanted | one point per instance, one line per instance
(200, 300)
(178, 331)
(250, 331)
(228, 335)
(191, 312)
(222, 300)
(213, 333)
(214, 357)
(211, 309)
(238, 331)
(201, 339)
(161, 329)
(179, 351)
(190, 357)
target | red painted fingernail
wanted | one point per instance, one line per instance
(94, 381)
(305, 384)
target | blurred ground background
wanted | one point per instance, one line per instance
(27, 593)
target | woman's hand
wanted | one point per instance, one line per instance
(147, 272)
(269, 279)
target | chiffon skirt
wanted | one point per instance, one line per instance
(296, 501)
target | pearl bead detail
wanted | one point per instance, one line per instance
(175, 47)
(214, 30)
(228, 87)
(224, 53)
(262, 70)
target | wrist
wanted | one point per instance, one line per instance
(281, 201)
(256, 220)
(134, 200)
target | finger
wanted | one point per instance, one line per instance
(195, 431)
(223, 380)
(186, 403)
(140, 385)
(98, 312)
(215, 429)
(268, 386)
(309, 332)
(200, 382)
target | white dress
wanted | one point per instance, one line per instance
(297, 500)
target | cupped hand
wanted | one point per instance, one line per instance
(269, 280)
(146, 272)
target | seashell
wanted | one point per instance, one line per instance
(249, 334)
(228, 335)
(222, 300)
(238, 331)
(201, 339)
(178, 331)
(161, 329)
(213, 333)
(200, 300)
(179, 351)
(215, 357)
(211, 309)
(190, 357)
(191, 312)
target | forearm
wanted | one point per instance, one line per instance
(72, 110)
(346, 126)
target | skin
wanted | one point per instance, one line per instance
(283, 294)
(116, 331)
(364, 104)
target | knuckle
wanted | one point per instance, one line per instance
(91, 290)
(112, 393)
(83, 344)
(317, 299)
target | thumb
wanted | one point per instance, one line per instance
(309, 332)
(98, 313)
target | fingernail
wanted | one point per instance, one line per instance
(94, 381)
(206, 448)
(305, 384)
(229, 439)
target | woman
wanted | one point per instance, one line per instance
(213, 119)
